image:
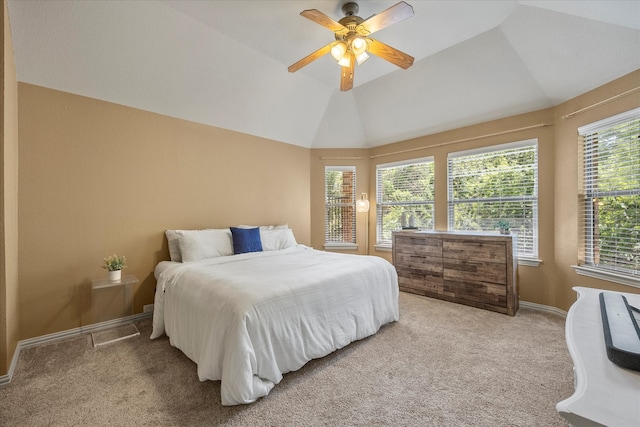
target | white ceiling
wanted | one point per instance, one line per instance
(224, 63)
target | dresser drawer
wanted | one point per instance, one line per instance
(466, 260)
(480, 292)
(474, 250)
(424, 284)
(420, 262)
(417, 246)
(472, 270)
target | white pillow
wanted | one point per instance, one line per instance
(265, 227)
(174, 246)
(202, 244)
(277, 238)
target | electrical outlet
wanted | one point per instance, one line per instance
(147, 308)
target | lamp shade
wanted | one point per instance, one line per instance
(362, 57)
(358, 46)
(362, 205)
(346, 59)
(338, 51)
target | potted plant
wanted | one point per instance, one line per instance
(503, 226)
(114, 266)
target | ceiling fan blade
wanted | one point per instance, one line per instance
(310, 58)
(322, 19)
(396, 13)
(346, 75)
(390, 54)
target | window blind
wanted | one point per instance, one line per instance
(493, 184)
(405, 197)
(610, 237)
(340, 204)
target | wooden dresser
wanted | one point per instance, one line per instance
(476, 269)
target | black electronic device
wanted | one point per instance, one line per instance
(621, 331)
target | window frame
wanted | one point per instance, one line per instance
(382, 244)
(340, 245)
(524, 257)
(588, 191)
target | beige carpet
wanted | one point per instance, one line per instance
(442, 364)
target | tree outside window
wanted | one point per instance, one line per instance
(496, 184)
(340, 200)
(611, 193)
(405, 197)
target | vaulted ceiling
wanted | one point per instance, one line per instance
(224, 63)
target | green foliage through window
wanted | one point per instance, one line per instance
(611, 196)
(340, 218)
(405, 197)
(495, 184)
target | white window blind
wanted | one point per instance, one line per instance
(340, 204)
(611, 194)
(405, 197)
(496, 183)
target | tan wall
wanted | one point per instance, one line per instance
(549, 283)
(9, 331)
(566, 179)
(98, 178)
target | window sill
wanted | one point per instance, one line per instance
(383, 248)
(341, 246)
(529, 262)
(611, 276)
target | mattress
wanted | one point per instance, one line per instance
(247, 319)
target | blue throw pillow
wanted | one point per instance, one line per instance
(246, 240)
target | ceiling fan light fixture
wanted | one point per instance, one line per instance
(362, 57)
(358, 46)
(352, 44)
(338, 51)
(345, 61)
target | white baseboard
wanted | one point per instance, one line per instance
(6, 379)
(32, 342)
(542, 307)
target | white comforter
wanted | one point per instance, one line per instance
(247, 319)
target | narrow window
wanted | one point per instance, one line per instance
(340, 210)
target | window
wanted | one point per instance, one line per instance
(405, 197)
(497, 183)
(611, 194)
(340, 206)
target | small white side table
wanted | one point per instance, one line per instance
(106, 292)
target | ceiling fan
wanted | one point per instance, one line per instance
(353, 42)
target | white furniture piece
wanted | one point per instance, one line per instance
(605, 393)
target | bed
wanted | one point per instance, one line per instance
(246, 318)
